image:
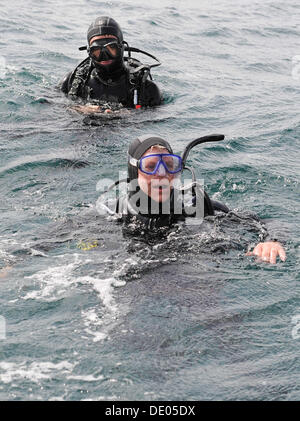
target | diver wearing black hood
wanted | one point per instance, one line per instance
(139, 201)
(106, 75)
(152, 173)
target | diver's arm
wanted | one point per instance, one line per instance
(270, 247)
(268, 251)
(152, 94)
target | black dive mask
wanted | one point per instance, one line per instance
(105, 49)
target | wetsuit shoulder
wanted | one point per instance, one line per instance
(210, 206)
(219, 206)
(63, 85)
(152, 94)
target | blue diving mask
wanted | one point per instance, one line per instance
(155, 163)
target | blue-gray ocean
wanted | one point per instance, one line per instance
(88, 312)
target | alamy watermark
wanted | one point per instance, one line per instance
(2, 67)
(296, 67)
(155, 196)
(2, 328)
(296, 328)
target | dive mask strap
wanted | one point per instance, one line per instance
(132, 161)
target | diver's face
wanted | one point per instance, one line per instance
(157, 186)
(97, 52)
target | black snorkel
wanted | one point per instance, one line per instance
(203, 139)
(193, 143)
(196, 189)
(137, 50)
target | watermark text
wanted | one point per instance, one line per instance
(2, 328)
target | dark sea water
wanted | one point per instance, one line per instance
(92, 313)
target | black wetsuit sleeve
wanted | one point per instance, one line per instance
(276, 230)
(219, 206)
(152, 94)
(63, 85)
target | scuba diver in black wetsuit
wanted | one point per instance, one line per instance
(107, 76)
(155, 196)
(154, 182)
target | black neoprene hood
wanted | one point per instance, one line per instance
(139, 146)
(104, 25)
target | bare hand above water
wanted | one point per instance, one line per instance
(268, 251)
(92, 109)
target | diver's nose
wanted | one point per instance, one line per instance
(161, 171)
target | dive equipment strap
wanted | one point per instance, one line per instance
(138, 74)
(79, 77)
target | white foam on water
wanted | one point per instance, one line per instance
(37, 253)
(93, 323)
(5, 244)
(53, 282)
(5, 255)
(102, 398)
(34, 372)
(95, 326)
(104, 289)
(97, 336)
(127, 264)
(87, 378)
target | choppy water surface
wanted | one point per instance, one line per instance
(95, 312)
